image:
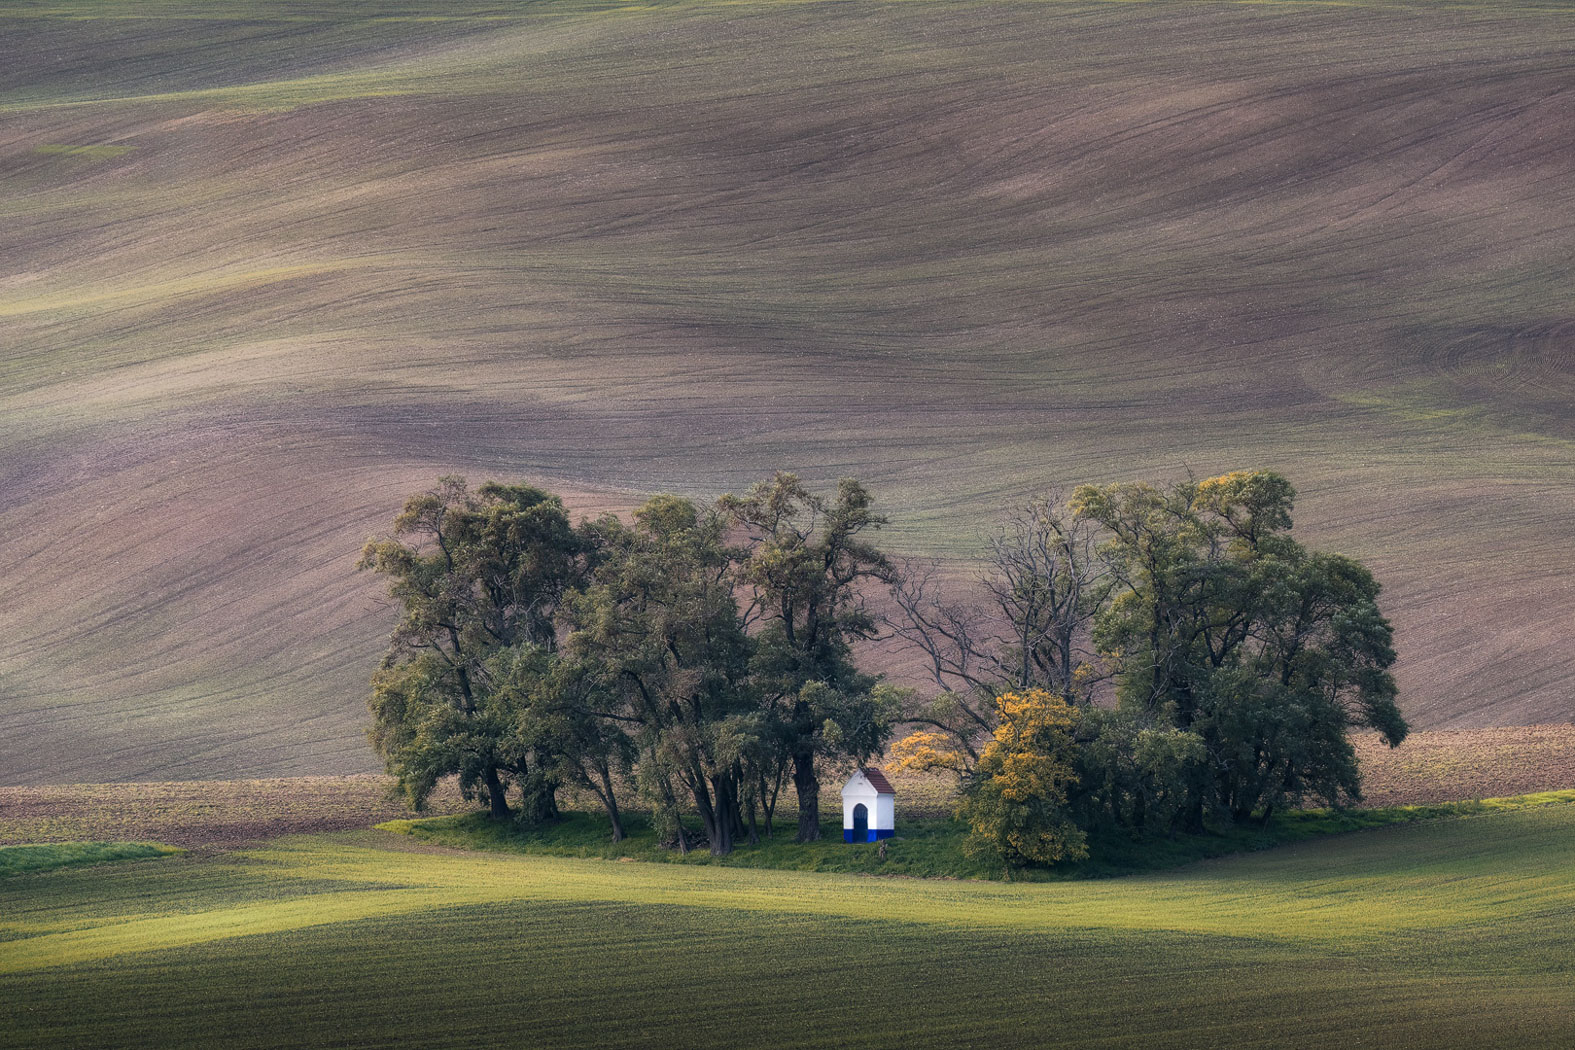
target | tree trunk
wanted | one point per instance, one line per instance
(610, 803)
(808, 787)
(718, 830)
(723, 825)
(768, 799)
(721, 836)
(718, 808)
(750, 809)
(540, 804)
(497, 797)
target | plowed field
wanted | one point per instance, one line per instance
(269, 266)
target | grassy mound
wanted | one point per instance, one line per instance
(931, 847)
(17, 859)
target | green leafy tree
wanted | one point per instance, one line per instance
(562, 716)
(474, 575)
(661, 633)
(1315, 665)
(1133, 773)
(1224, 627)
(801, 566)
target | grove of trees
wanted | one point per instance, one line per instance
(701, 654)
(1231, 660)
(1135, 657)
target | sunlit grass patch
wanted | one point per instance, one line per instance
(926, 847)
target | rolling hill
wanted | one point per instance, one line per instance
(1449, 933)
(268, 267)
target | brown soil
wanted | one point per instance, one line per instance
(1445, 766)
(204, 815)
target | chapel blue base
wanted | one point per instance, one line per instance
(869, 836)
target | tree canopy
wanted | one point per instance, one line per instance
(1221, 625)
(801, 564)
(659, 629)
(1017, 804)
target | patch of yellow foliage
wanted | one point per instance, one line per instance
(1032, 745)
(928, 752)
(1016, 806)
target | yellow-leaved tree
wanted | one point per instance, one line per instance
(1015, 802)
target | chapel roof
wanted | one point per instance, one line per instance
(878, 780)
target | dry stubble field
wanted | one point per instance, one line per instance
(268, 267)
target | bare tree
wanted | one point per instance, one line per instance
(1029, 627)
(958, 639)
(1046, 585)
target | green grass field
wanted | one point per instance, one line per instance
(271, 266)
(932, 846)
(1447, 933)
